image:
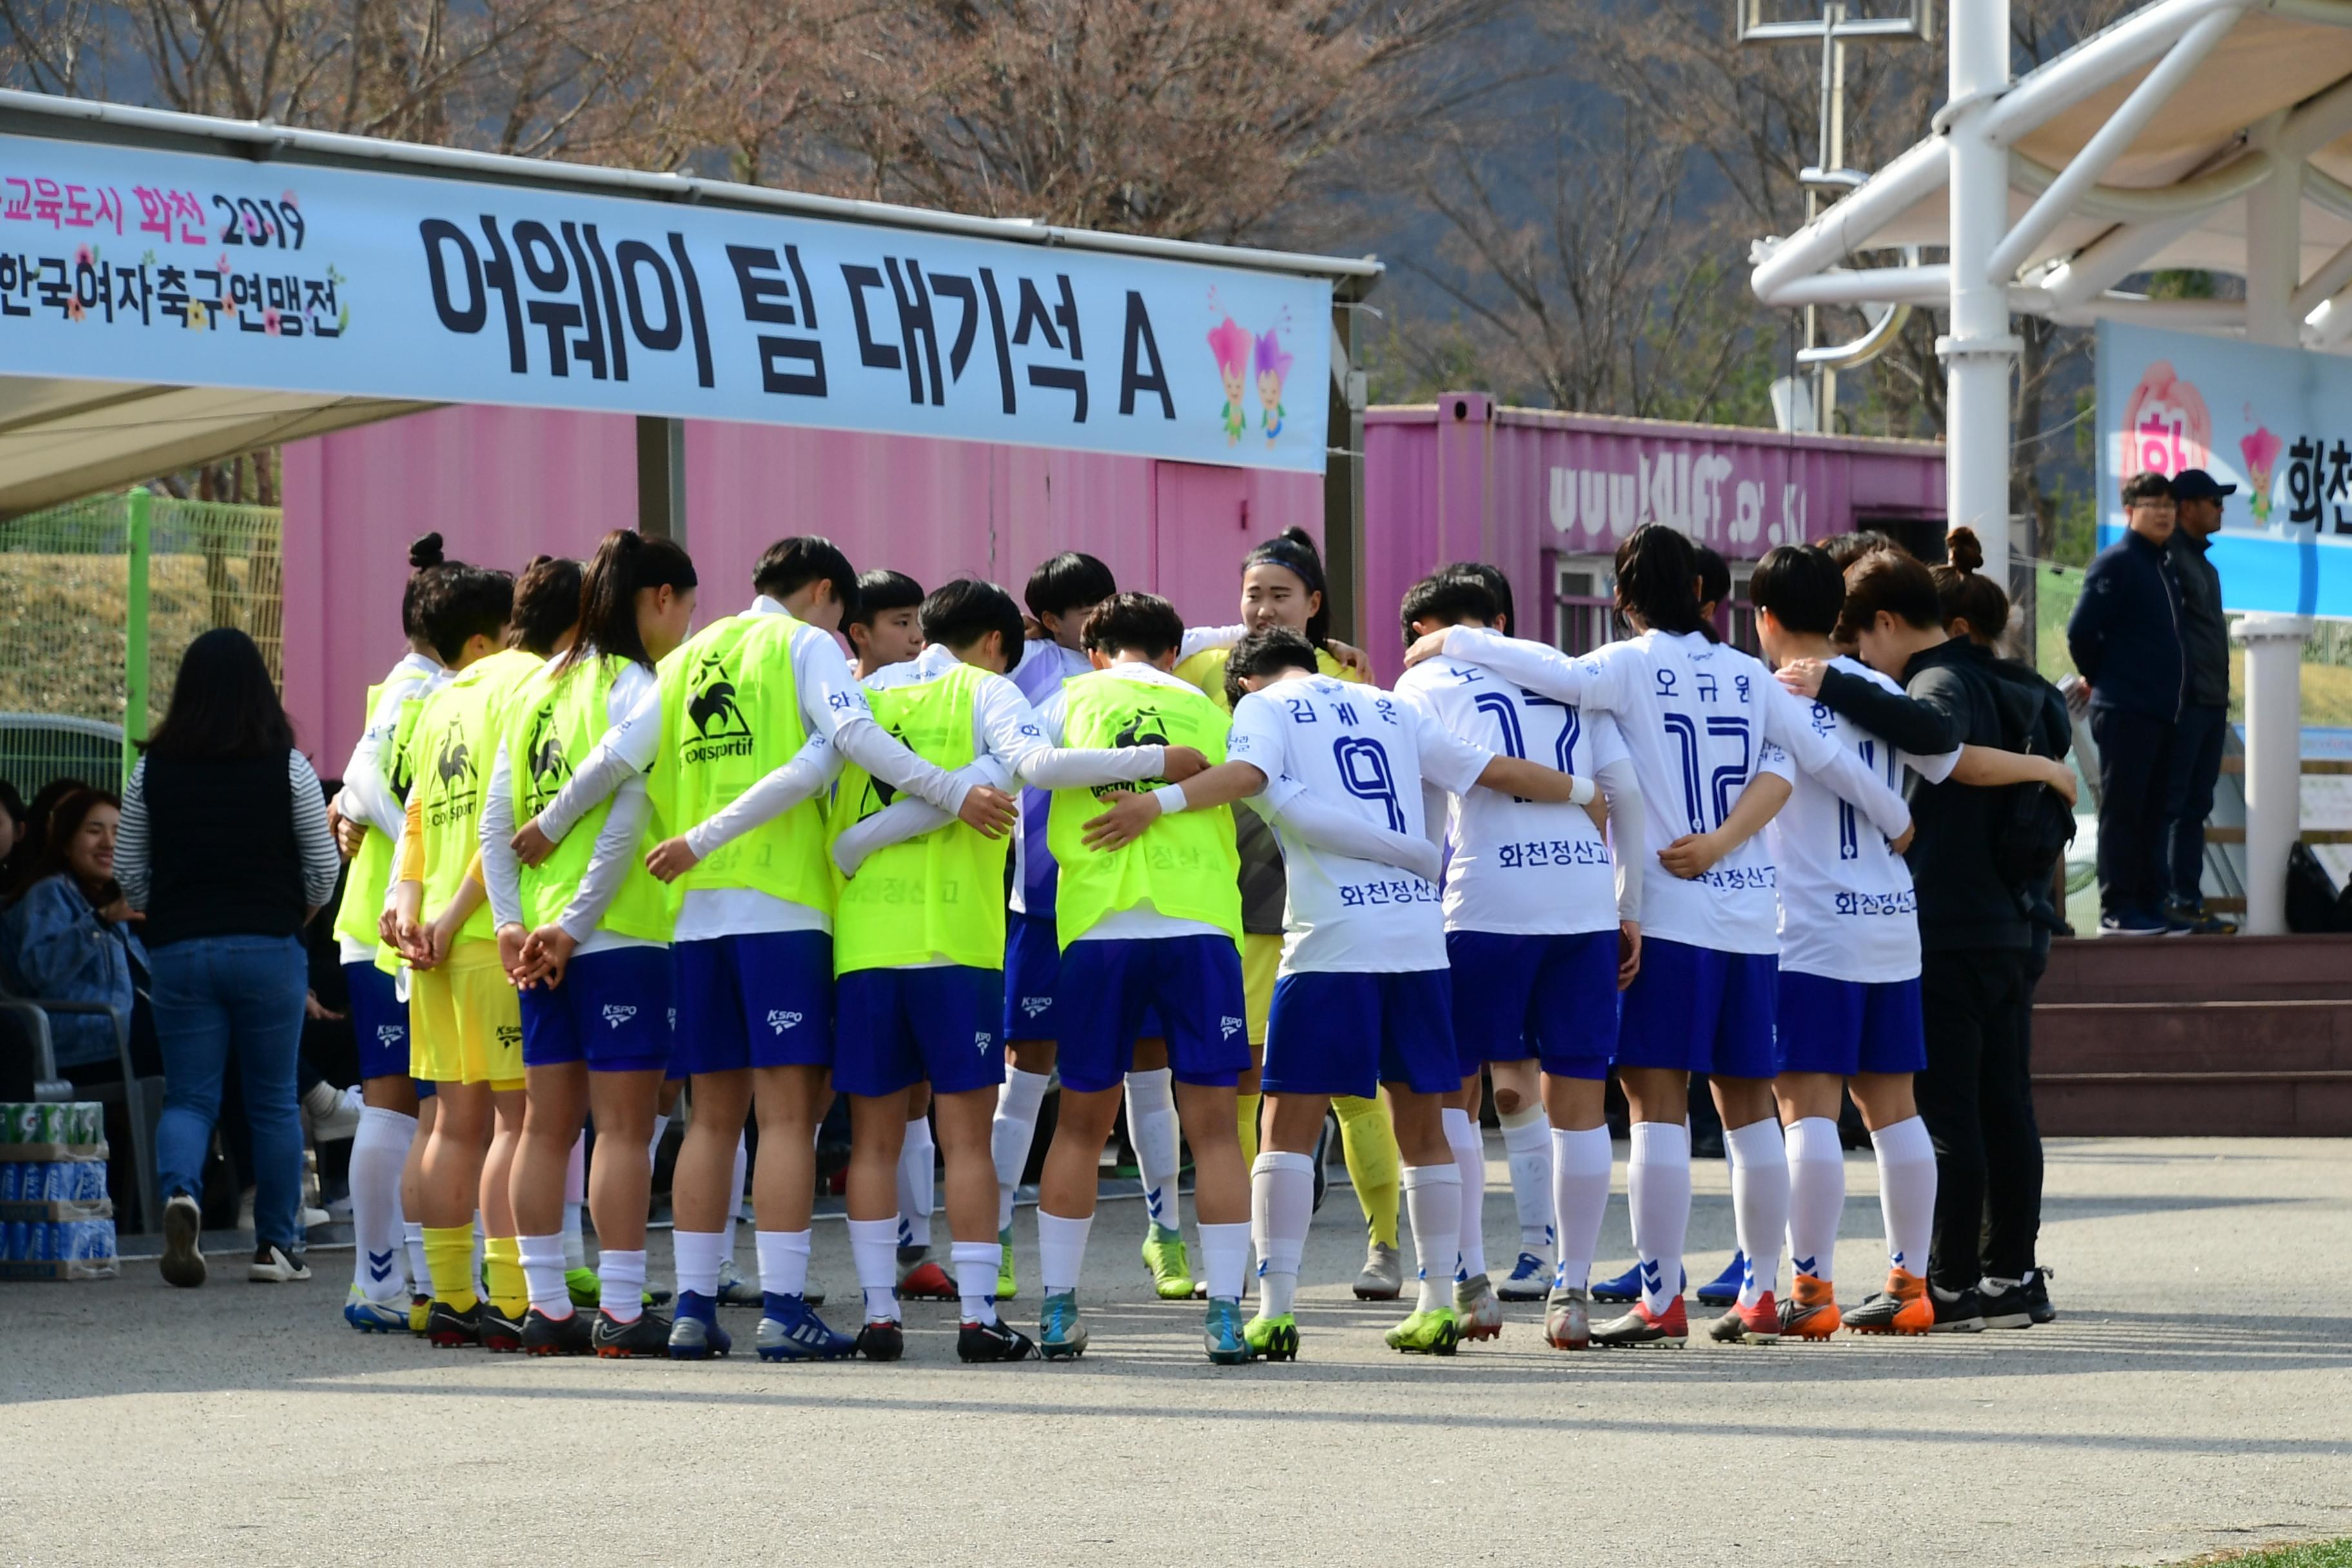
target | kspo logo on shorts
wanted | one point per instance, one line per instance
(1034, 1005)
(391, 1034)
(616, 1015)
(510, 1034)
(982, 1040)
(779, 1020)
(1229, 1027)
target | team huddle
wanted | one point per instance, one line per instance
(1208, 875)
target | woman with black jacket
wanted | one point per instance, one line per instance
(1975, 935)
(224, 845)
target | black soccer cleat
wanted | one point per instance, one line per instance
(998, 1340)
(447, 1328)
(649, 1335)
(883, 1339)
(543, 1335)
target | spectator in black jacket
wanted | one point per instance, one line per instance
(2125, 639)
(2205, 715)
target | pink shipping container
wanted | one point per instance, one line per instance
(1544, 496)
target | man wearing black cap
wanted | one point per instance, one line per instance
(2204, 714)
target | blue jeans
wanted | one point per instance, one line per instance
(214, 995)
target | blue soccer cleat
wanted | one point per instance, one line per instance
(695, 1333)
(1627, 1287)
(1531, 1280)
(1724, 1289)
(789, 1329)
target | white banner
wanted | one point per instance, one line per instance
(125, 265)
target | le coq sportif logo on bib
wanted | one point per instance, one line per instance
(720, 728)
(456, 781)
(543, 754)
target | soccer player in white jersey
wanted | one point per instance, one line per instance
(1705, 723)
(1363, 999)
(1539, 935)
(1849, 1012)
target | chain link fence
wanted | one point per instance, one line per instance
(99, 598)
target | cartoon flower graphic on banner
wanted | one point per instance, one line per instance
(2261, 451)
(2166, 426)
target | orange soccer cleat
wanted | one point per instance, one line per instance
(1813, 1312)
(1902, 1308)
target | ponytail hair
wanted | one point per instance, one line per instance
(425, 558)
(625, 562)
(1657, 582)
(1965, 595)
(546, 605)
(1294, 551)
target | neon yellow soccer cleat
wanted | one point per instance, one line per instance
(1171, 1269)
(1427, 1333)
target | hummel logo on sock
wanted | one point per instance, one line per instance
(380, 1265)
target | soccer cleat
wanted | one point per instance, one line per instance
(927, 1281)
(695, 1333)
(1007, 1284)
(184, 1252)
(646, 1334)
(1723, 1290)
(998, 1340)
(585, 1291)
(567, 1335)
(1531, 1280)
(273, 1265)
(2005, 1308)
(1060, 1335)
(372, 1317)
(1756, 1325)
(1567, 1321)
(1433, 1332)
(790, 1331)
(883, 1338)
(1473, 1303)
(2037, 1296)
(1382, 1279)
(447, 1328)
(1642, 1327)
(734, 1290)
(1171, 1271)
(420, 1314)
(1811, 1313)
(1274, 1339)
(499, 1332)
(1902, 1308)
(1960, 1314)
(1223, 1337)
(1627, 1287)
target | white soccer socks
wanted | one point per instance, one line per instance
(1816, 1196)
(1907, 1191)
(575, 1199)
(698, 1254)
(919, 1175)
(1152, 1127)
(783, 1261)
(1579, 1196)
(735, 1193)
(1010, 1133)
(1061, 1251)
(1469, 1147)
(541, 1258)
(874, 1248)
(1282, 1202)
(379, 1151)
(975, 1271)
(1526, 1148)
(621, 1284)
(1760, 1203)
(1224, 1258)
(1432, 1202)
(1658, 1191)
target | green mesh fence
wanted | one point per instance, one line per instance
(97, 600)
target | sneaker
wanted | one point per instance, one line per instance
(1435, 1332)
(372, 1317)
(1007, 1284)
(420, 1314)
(1902, 1308)
(1473, 1303)
(1627, 1287)
(1273, 1339)
(273, 1265)
(790, 1331)
(998, 1340)
(447, 1328)
(646, 1334)
(586, 1294)
(331, 1114)
(1568, 1321)
(883, 1338)
(1642, 1327)
(1382, 1279)
(1531, 1280)
(1811, 1312)
(2037, 1296)
(309, 1216)
(2004, 1305)
(1723, 1290)
(566, 1335)
(1756, 1325)
(734, 1290)
(1060, 1335)
(1171, 1269)
(1960, 1314)
(2132, 923)
(499, 1332)
(695, 1333)
(927, 1281)
(184, 1252)
(1222, 1335)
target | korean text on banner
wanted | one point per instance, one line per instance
(125, 265)
(2274, 421)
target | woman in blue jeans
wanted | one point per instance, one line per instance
(224, 845)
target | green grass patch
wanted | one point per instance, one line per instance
(2305, 1554)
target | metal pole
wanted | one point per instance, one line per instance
(134, 632)
(1978, 352)
(661, 478)
(1343, 477)
(2273, 645)
(1833, 158)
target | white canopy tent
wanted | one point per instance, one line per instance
(2214, 134)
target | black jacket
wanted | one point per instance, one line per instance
(1952, 697)
(2203, 633)
(2125, 632)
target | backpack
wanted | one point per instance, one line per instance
(2033, 827)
